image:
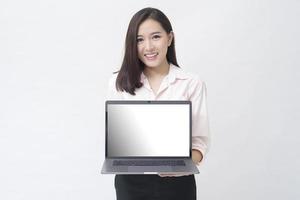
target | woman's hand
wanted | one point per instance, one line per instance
(174, 175)
(196, 157)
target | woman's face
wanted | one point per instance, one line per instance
(152, 43)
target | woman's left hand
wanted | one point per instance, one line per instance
(196, 157)
(174, 175)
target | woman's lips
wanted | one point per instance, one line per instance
(151, 56)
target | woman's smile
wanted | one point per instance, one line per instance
(151, 56)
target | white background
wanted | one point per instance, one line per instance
(57, 56)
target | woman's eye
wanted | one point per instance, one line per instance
(156, 36)
(139, 40)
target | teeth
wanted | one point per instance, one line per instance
(150, 55)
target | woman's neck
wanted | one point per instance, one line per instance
(157, 72)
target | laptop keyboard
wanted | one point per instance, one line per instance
(149, 162)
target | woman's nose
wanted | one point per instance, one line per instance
(148, 45)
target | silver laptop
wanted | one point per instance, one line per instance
(148, 137)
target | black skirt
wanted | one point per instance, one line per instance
(154, 187)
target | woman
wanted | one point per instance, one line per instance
(150, 72)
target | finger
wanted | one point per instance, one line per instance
(174, 175)
(165, 175)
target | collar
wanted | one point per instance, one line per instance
(174, 73)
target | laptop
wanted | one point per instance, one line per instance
(148, 137)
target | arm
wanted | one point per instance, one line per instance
(200, 129)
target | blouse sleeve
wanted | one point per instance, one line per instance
(200, 125)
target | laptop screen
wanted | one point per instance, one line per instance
(150, 129)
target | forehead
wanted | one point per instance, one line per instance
(149, 26)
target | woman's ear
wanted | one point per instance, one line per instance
(170, 38)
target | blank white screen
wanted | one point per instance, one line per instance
(148, 130)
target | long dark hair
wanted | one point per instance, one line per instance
(128, 78)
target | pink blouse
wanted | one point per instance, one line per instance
(176, 85)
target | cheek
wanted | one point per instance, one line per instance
(164, 48)
(140, 52)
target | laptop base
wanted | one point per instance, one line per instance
(109, 168)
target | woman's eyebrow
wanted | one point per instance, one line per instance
(157, 32)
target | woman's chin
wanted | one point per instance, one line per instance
(152, 64)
